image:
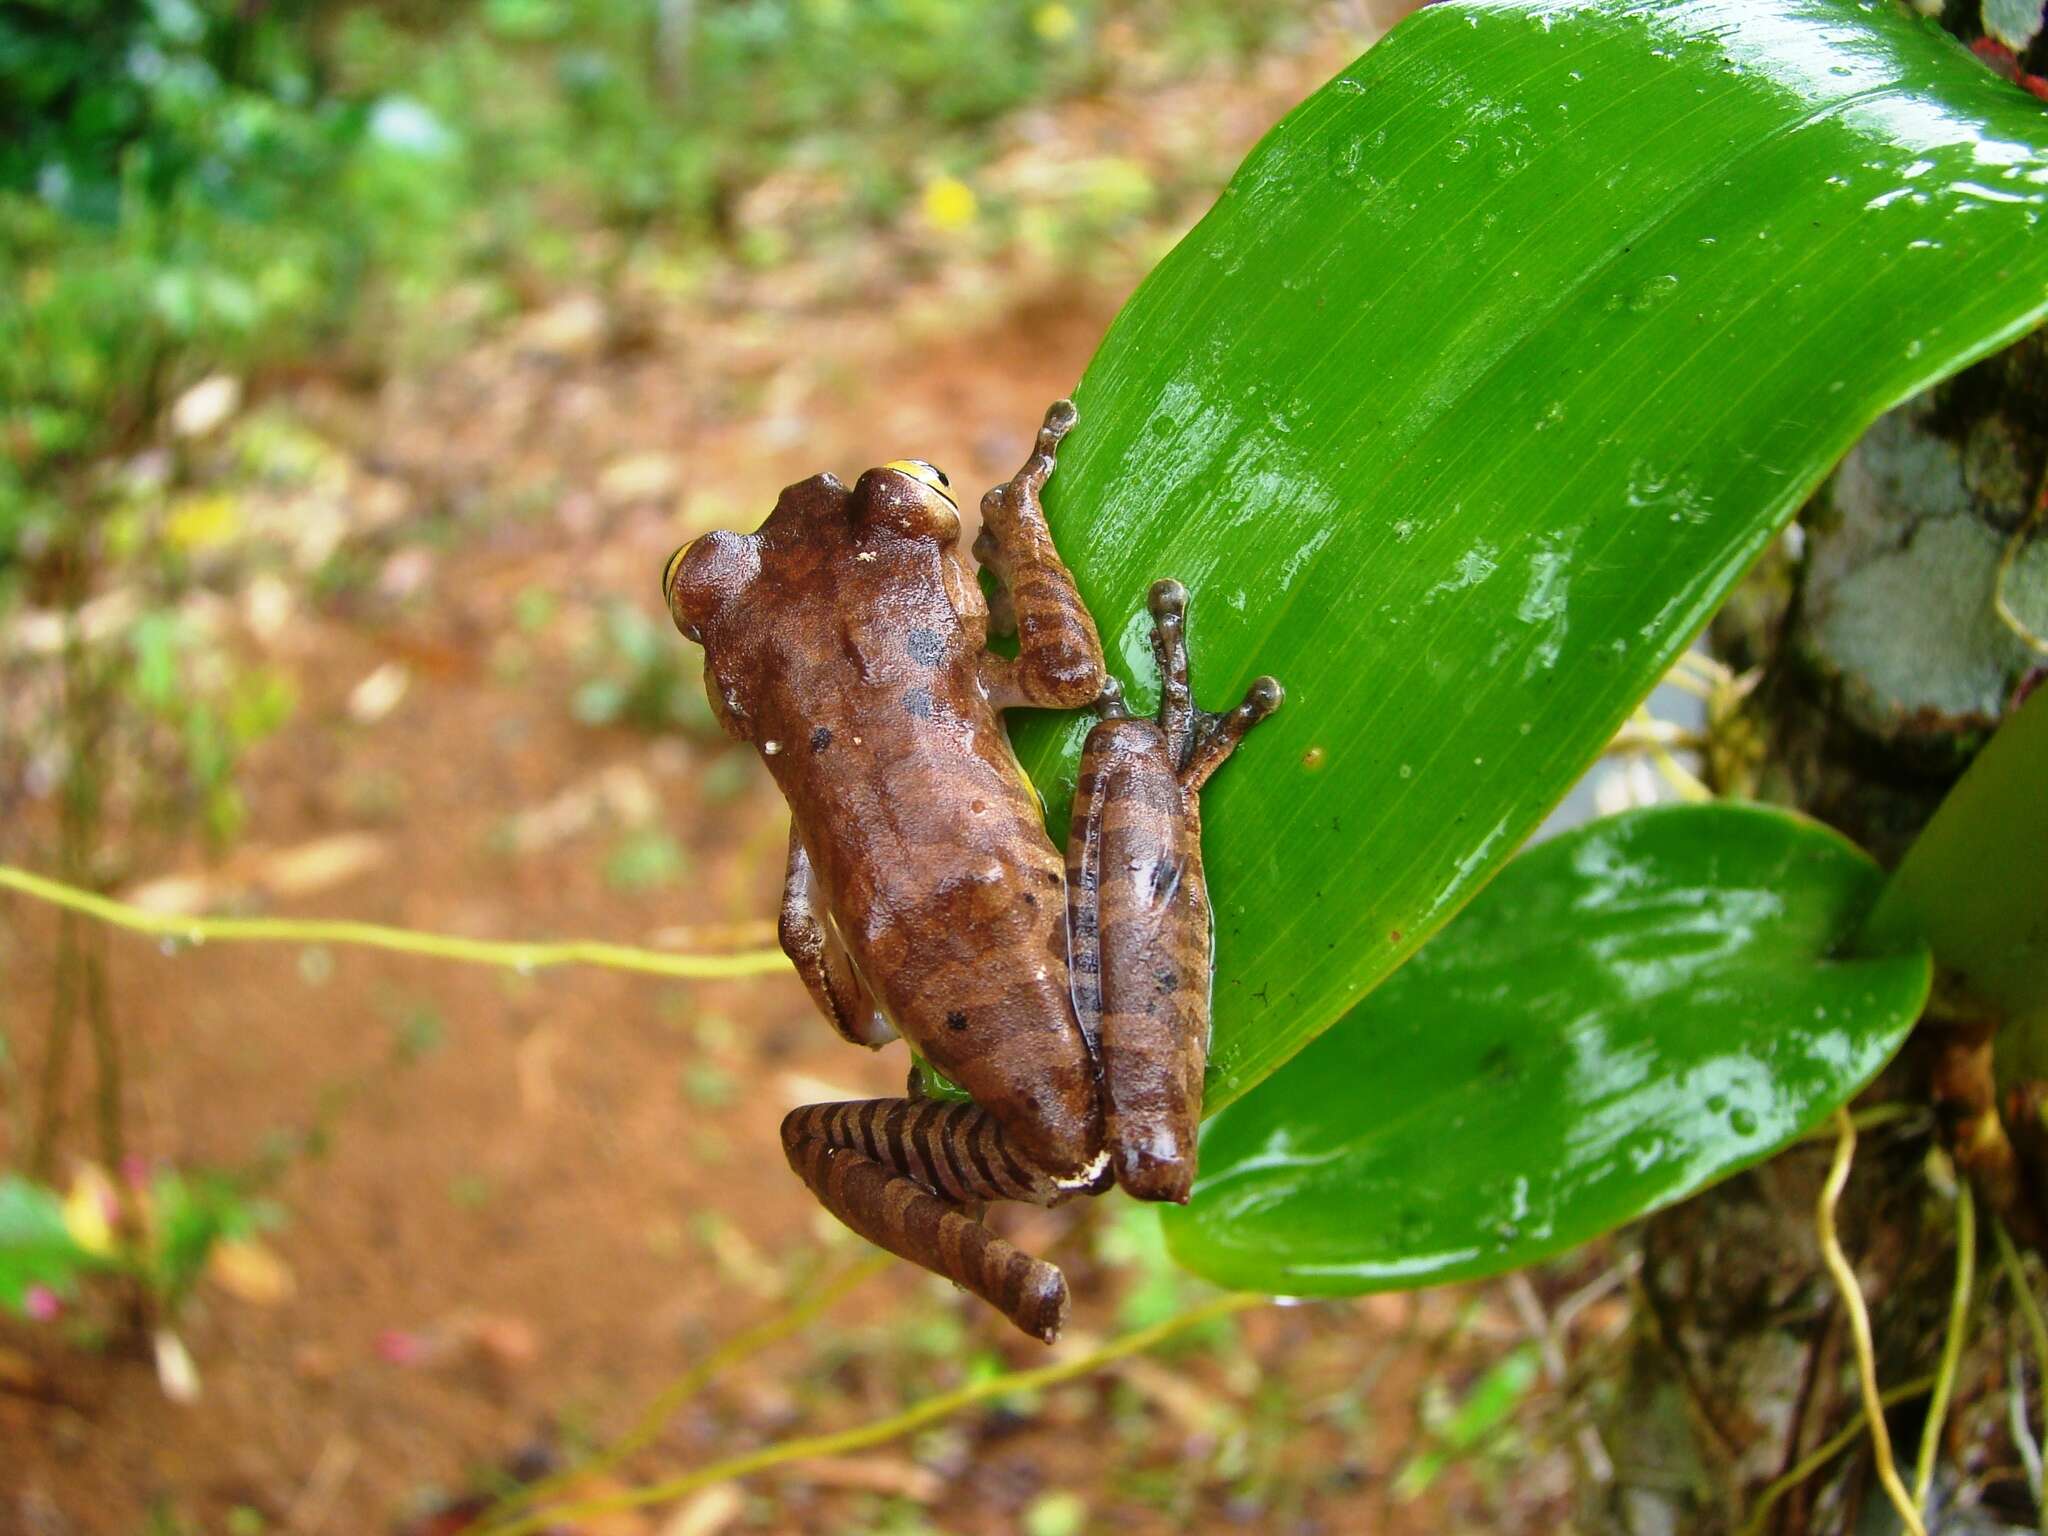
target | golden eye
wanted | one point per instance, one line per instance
(668, 573)
(928, 474)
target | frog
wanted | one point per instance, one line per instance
(1067, 995)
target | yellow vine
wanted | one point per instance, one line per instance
(1821, 1455)
(662, 1407)
(1952, 1342)
(1859, 1323)
(509, 955)
(876, 1432)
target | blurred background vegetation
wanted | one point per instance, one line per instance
(187, 185)
(228, 194)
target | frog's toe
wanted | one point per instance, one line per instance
(1264, 696)
(1060, 417)
(1168, 599)
(1041, 1305)
(1155, 1168)
(1109, 703)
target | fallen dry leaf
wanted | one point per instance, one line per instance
(250, 1271)
(206, 405)
(639, 477)
(574, 328)
(534, 1065)
(175, 1371)
(321, 864)
(710, 1512)
(378, 694)
(892, 1475)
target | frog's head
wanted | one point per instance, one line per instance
(908, 497)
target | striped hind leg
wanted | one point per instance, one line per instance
(904, 1173)
(1138, 918)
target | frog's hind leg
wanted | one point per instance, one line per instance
(1198, 741)
(1059, 654)
(901, 1173)
(805, 931)
(1138, 909)
(1138, 936)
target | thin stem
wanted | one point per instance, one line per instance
(278, 930)
(1706, 665)
(1821, 1455)
(2018, 542)
(106, 1045)
(1684, 783)
(2037, 1330)
(42, 1152)
(686, 1386)
(12, 1109)
(1952, 1342)
(1859, 1323)
(839, 1442)
(1870, 1117)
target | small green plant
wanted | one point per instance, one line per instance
(83, 1255)
(640, 677)
(200, 713)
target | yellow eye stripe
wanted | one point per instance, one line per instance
(924, 473)
(668, 572)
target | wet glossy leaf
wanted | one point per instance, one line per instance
(1628, 1013)
(1500, 360)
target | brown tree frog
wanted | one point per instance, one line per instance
(846, 640)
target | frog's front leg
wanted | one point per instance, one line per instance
(805, 930)
(1138, 909)
(1059, 654)
(906, 1175)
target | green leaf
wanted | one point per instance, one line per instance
(36, 1248)
(1488, 1409)
(1628, 1013)
(1975, 881)
(194, 1213)
(1497, 364)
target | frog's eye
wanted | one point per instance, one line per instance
(928, 474)
(668, 574)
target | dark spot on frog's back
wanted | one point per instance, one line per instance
(925, 647)
(821, 738)
(919, 702)
(956, 1020)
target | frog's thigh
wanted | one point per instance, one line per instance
(1140, 914)
(819, 957)
(897, 1171)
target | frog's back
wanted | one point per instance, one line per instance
(846, 647)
